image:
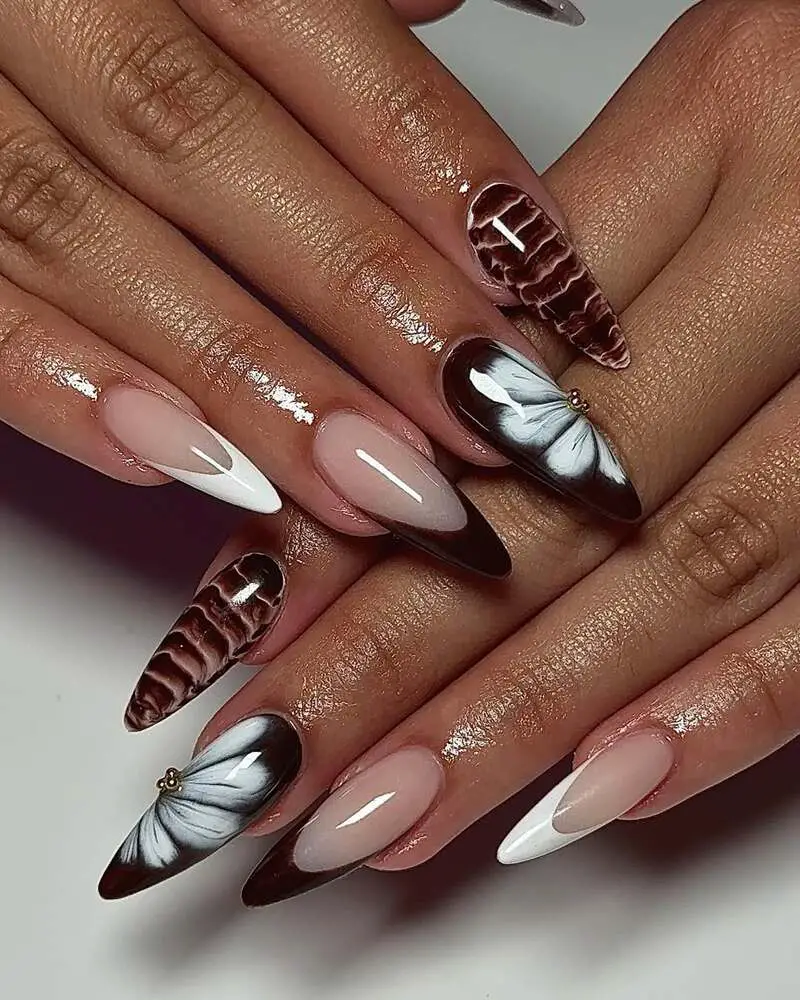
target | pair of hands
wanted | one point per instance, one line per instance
(688, 219)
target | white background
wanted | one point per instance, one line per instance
(702, 903)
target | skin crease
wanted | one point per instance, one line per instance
(540, 702)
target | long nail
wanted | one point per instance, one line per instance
(226, 619)
(362, 817)
(518, 408)
(167, 438)
(601, 790)
(519, 246)
(552, 10)
(404, 491)
(204, 806)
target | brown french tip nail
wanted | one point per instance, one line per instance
(519, 246)
(360, 819)
(518, 407)
(225, 620)
(203, 806)
(404, 491)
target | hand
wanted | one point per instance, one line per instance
(703, 262)
(320, 152)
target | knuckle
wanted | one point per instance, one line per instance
(367, 268)
(413, 122)
(173, 93)
(718, 542)
(49, 202)
(749, 53)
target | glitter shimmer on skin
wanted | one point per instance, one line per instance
(281, 395)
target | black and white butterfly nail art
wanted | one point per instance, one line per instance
(521, 410)
(206, 804)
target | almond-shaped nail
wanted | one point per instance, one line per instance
(601, 790)
(405, 492)
(518, 408)
(203, 806)
(551, 10)
(162, 435)
(519, 246)
(360, 819)
(225, 620)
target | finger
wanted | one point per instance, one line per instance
(70, 236)
(418, 11)
(725, 711)
(52, 374)
(263, 589)
(384, 106)
(715, 559)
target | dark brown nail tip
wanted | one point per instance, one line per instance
(225, 620)
(518, 407)
(277, 877)
(476, 547)
(208, 803)
(519, 245)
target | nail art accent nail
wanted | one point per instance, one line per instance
(601, 790)
(404, 491)
(205, 805)
(552, 10)
(520, 246)
(174, 442)
(519, 408)
(361, 818)
(226, 619)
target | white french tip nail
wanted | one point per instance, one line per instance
(242, 484)
(534, 835)
(605, 787)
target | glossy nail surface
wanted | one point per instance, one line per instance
(205, 805)
(552, 10)
(227, 617)
(519, 246)
(361, 818)
(599, 791)
(403, 490)
(174, 442)
(516, 406)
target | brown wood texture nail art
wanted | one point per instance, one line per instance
(224, 621)
(521, 247)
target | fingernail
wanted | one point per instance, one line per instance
(205, 805)
(405, 492)
(225, 620)
(599, 791)
(519, 246)
(167, 438)
(522, 411)
(552, 10)
(361, 818)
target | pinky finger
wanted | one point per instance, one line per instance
(63, 386)
(734, 705)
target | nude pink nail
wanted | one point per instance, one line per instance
(361, 818)
(403, 490)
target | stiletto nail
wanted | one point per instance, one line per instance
(167, 438)
(204, 806)
(599, 791)
(518, 408)
(404, 491)
(519, 246)
(552, 10)
(361, 818)
(226, 619)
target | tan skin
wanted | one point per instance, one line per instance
(690, 220)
